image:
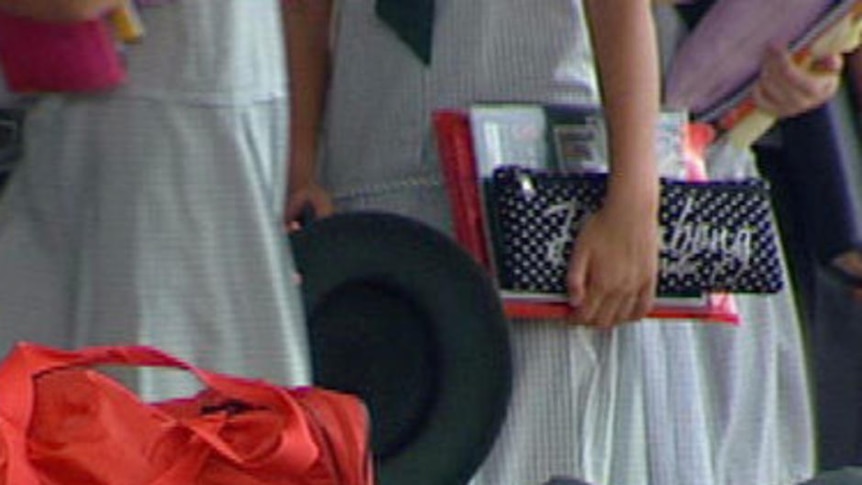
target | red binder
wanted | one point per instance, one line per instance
(459, 171)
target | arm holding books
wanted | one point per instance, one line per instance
(818, 59)
(612, 276)
(783, 89)
(786, 88)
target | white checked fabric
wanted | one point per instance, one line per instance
(653, 403)
(151, 214)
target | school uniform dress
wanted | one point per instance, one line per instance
(657, 402)
(151, 214)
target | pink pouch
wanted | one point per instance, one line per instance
(49, 57)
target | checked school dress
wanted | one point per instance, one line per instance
(152, 214)
(651, 403)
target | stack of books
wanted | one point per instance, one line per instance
(474, 143)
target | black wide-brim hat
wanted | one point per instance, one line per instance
(401, 316)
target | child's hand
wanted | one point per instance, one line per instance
(60, 10)
(309, 201)
(614, 267)
(306, 198)
(787, 89)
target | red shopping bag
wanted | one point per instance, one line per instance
(63, 423)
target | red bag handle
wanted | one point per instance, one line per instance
(28, 360)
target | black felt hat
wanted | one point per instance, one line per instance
(400, 315)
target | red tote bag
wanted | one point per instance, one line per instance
(62, 423)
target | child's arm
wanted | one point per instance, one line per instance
(613, 270)
(783, 89)
(60, 10)
(307, 34)
(306, 24)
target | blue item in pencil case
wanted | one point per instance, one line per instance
(717, 236)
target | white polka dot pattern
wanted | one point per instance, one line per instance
(715, 236)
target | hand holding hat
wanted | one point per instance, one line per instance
(400, 315)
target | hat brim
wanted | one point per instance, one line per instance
(400, 315)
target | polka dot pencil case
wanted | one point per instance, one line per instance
(717, 236)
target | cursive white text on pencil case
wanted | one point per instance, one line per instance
(686, 243)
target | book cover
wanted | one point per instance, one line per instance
(838, 32)
(461, 169)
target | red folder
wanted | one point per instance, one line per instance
(459, 171)
(59, 57)
(457, 158)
